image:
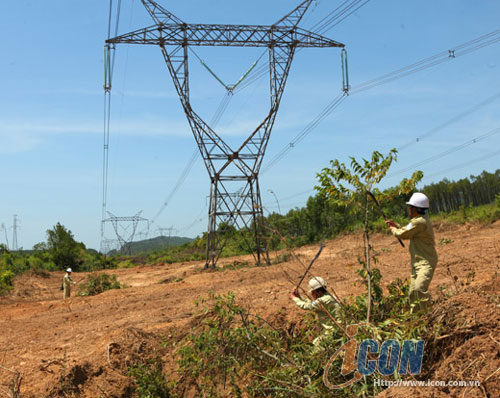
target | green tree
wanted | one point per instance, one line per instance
(348, 187)
(64, 250)
(3, 248)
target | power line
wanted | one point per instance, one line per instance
(318, 24)
(447, 152)
(185, 172)
(306, 130)
(318, 28)
(109, 63)
(309, 191)
(197, 220)
(465, 164)
(454, 119)
(436, 59)
(332, 19)
(464, 48)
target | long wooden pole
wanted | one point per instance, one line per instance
(321, 245)
(382, 212)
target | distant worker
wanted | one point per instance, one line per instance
(324, 305)
(67, 282)
(422, 250)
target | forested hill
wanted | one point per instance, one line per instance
(156, 244)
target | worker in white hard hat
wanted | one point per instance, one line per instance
(323, 304)
(67, 282)
(422, 249)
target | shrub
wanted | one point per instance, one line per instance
(125, 264)
(444, 241)
(6, 281)
(150, 380)
(282, 258)
(98, 283)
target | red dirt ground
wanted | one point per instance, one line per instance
(43, 336)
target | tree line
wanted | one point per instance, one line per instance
(321, 219)
(478, 190)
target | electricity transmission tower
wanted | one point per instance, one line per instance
(125, 237)
(162, 231)
(5, 231)
(109, 244)
(15, 226)
(234, 192)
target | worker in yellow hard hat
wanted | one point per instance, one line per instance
(422, 249)
(323, 304)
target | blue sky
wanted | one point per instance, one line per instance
(51, 107)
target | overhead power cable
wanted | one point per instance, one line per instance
(335, 17)
(306, 130)
(445, 153)
(180, 181)
(346, 9)
(436, 59)
(286, 198)
(109, 63)
(221, 109)
(433, 131)
(464, 48)
(464, 164)
(454, 119)
(197, 220)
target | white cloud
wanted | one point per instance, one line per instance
(19, 136)
(120, 93)
(15, 143)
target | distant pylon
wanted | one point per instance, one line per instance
(6, 237)
(125, 236)
(14, 233)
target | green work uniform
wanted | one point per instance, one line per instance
(423, 258)
(325, 302)
(67, 282)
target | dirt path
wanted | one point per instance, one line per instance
(40, 333)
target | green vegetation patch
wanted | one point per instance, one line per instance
(98, 283)
(150, 380)
(231, 352)
(6, 280)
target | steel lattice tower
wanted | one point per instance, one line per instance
(15, 226)
(234, 191)
(125, 241)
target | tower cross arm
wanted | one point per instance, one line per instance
(225, 35)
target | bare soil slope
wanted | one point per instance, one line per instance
(92, 339)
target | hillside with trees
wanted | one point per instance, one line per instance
(158, 243)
